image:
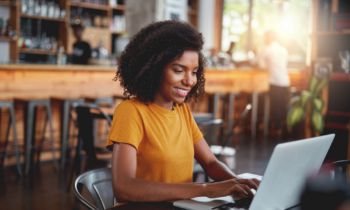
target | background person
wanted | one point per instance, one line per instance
(275, 57)
(81, 49)
(154, 137)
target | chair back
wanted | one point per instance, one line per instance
(85, 126)
(99, 184)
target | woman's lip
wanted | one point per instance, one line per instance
(180, 93)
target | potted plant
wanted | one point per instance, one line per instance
(308, 103)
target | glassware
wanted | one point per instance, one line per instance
(344, 61)
(57, 11)
(43, 9)
(37, 8)
(30, 10)
(24, 6)
(51, 10)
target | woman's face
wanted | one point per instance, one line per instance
(179, 77)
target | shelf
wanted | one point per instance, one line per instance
(7, 3)
(118, 7)
(192, 12)
(90, 6)
(36, 51)
(43, 18)
(7, 38)
(331, 33)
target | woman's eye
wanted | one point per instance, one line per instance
(177, 71)
(194, 73)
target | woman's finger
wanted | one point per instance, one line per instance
(256, 181)
(249, 182)
(247, 189)
(238, 190)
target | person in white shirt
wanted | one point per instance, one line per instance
(275, 57)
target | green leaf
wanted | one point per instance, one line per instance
(306, 96)
(318, 104)
(321, 85)
(313, 83)
(295, 114)
(317, 121)
(294, 100)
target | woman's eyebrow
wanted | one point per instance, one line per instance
(177, 64)
(182, 66)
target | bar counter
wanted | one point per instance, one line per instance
(36, 81)
(29, 81)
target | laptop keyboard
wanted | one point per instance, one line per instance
(243, 203)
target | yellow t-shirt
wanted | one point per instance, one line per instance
(163, 139)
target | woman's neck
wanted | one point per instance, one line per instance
(163, 102)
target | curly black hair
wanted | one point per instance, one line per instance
(142, 63)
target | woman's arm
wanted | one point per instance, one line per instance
(214, 168)
(127, 188)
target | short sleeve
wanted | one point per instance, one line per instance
(127, 126)
(196, 133)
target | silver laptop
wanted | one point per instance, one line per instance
(290, 165)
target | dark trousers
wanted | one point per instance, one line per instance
(279, 100)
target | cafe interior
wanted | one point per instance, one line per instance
(277, 71)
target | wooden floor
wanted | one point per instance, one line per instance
(46, 189)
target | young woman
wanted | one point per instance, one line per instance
(154, 137)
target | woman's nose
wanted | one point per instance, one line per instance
(189, 79)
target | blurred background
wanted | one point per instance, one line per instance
(58, 59)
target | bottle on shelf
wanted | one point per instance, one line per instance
(24, 6)
(63, 13)
(20, 40)
(4, 31)
(51, 10)
(30, 10)
(37, 8)
(43, 9)
(57, 11)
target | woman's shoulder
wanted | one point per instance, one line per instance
(131, 104)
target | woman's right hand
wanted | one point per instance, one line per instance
(237, 187)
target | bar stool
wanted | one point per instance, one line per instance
(65, 125)
(30, 109)
(10, 104)
(227, 99)
(99, 101)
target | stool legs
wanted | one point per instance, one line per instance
(65, 131)
(49, 117)
(65, 120)
(13, 121)
(29, 113)
(98, 101)
(254, 114)
(231, 106)
(266, 114)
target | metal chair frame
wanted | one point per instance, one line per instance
(98, 183)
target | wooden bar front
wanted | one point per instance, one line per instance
(74, 81)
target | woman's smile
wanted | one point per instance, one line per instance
(179, 77)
